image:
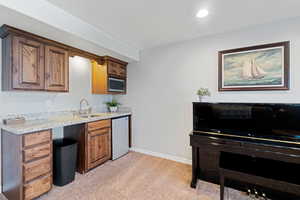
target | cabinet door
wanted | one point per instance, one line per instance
(116, 69)
(57, 69)
(99, 147)
(28, 64)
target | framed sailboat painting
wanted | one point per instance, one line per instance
(263, 67)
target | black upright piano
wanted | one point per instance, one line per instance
(250, 145)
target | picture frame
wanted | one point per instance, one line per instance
(254, 68)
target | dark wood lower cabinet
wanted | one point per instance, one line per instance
(270, 167)
(26, 164)
(27, 159)
(94, 141)
(99, 147)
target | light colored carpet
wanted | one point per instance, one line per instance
(138, 177)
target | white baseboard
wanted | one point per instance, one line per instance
(162, 155)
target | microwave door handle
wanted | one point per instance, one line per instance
(115, 79)
(115, 90)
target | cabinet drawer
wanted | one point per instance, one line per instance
(99, 132)
(36, 152)
(36, 138)
(98, 125)
(37, 187)
(37, 168)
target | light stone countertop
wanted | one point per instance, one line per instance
(59, 121)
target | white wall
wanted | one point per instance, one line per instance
(162, 86)
(36, 102)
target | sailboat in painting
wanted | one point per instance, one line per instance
(251, 70)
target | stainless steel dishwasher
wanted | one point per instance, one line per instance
(120, 137)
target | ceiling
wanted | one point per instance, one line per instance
(26, 23)
(146, 24)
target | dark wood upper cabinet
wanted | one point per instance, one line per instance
(116, 69)
(23, 64)
(57, 69)
(27, 64)
(34, 63)
(109, 68)
(31, 62)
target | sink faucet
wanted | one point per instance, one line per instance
(85, 111)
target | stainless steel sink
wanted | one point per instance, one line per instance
(92, 115)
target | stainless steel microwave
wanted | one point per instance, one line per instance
(116, 85)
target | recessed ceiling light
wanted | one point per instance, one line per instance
(202, 13)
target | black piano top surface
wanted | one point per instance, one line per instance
(267, 122)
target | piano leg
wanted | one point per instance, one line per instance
(194, 167)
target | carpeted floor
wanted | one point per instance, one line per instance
(138, 177)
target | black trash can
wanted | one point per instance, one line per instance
(64, 161)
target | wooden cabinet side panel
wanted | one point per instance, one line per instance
(99, 78)
(6, 63)
(11, 159)
(130, 131)
(77, 132)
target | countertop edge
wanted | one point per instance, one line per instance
(56, 124)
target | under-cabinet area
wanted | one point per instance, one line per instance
(27, 158)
